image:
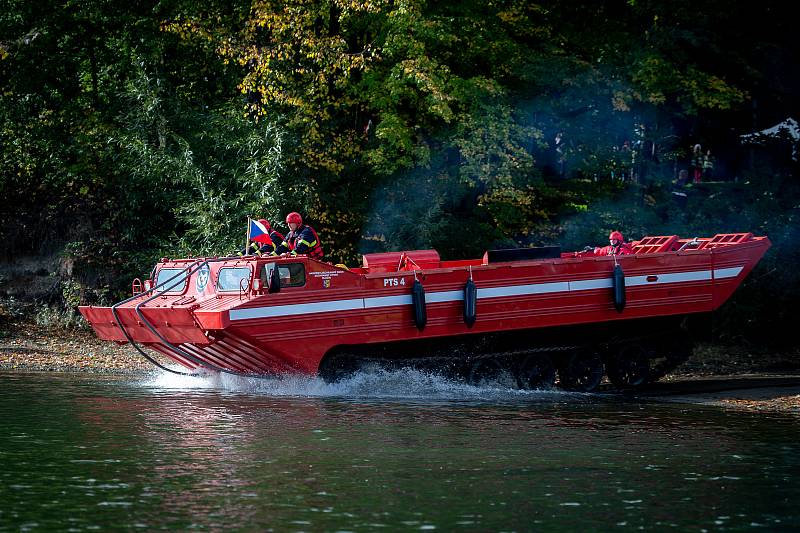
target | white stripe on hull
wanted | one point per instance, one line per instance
(483, 294)
(732, 272)
(677, 277)
(523, 290)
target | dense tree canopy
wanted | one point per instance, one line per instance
(132, 130)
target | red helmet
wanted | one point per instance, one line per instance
(294, 218)
(264, 222)
(616, 235)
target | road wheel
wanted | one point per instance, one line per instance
(582, 372)
(490, 371)
(671, 353)
(629, 368)
(536, 372)
(339, 367)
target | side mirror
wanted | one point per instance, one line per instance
(274, 280)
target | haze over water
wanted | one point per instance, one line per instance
(385, 450)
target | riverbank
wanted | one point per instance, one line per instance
(725, 376)
(755, 391)
(30, 347)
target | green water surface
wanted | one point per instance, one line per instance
(395, 453)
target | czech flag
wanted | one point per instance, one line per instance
(259, 233)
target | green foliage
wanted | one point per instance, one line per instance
(141, 130)
(213, 168)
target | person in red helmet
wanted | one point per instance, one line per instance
(301, 239)
(271, 246)
(616, 246)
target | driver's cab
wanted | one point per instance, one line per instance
(288, 275)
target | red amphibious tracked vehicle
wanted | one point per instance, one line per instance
(533, 315)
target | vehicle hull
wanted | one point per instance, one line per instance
(337, 310)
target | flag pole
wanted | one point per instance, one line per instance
(247, 242)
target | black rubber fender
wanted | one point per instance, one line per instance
(418, 299)
(618, 285)
(470, 303)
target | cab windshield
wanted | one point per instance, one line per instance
(165, 277)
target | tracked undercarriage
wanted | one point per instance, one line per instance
(625, 362)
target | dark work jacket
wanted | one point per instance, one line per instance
(304, 240)
(276, 248)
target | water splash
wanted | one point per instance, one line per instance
(374, 383)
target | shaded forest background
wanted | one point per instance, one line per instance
(130, 131)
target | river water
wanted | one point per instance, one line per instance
(393, 451)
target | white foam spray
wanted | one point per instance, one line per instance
(374, 383)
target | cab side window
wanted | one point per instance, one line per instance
(233, 279)
(291, 274)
